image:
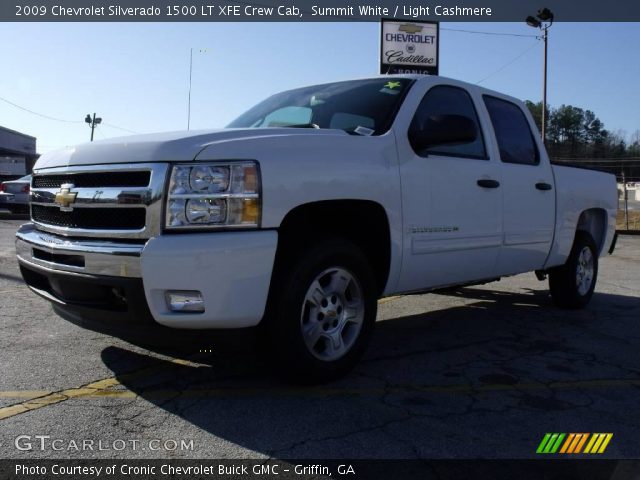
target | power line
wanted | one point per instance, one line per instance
(490, 33)
(49, 117)
(119, 128)
(508, 63)
(38, 114)
(100, 132)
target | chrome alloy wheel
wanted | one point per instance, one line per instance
(584, 271)
(332, 314)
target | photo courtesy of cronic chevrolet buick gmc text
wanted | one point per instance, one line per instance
(307, 209)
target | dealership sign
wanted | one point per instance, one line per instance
(409, 47)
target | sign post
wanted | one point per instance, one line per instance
(409, 47)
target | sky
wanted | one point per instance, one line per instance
(135, 76)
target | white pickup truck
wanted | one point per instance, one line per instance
(307, 209)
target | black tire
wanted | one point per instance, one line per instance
(290, 312)
(566, 290)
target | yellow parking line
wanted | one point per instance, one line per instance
(388, 299)
(56, 397)
(90, 390)
(24, 393)
(100, 389)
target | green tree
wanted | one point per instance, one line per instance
(566, 126)
(615, 145)
(536, 112)
(633, 149)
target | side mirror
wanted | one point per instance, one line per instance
(443, 130)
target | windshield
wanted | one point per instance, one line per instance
(363, 107)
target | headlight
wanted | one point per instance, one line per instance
(218, 195)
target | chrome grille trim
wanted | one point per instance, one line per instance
(149, 197)
(131, 178)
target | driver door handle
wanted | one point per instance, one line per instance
(543, 186)
(488, 183)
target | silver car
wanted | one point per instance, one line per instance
(14, 195)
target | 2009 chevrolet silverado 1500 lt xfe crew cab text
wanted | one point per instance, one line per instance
(307, 209)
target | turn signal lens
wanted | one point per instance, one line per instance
(250, 210)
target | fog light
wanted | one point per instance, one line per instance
(190, 301)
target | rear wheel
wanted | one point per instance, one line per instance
(572, 284)
(323, 313)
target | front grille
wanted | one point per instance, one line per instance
(91, 218)
(94, 179)
(116, 202)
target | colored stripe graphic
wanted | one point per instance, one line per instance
(550, 443)
(578, 442)
(581, 443)
(573, 444)
(598, 443)
(567, 443)
(592, 440)
(605, 443)
(544, 441)
(556, 445)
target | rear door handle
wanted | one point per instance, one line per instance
(488, 183)
(543, 186)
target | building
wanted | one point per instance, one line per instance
(17, 154)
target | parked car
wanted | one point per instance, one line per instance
(14, 195)
(310, 207)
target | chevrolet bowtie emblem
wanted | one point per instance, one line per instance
(65, 197)
(410, 28)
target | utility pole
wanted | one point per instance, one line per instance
(544, 15)
(190, 72)
(92, 122)
(544, 86)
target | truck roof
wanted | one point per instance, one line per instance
(440, 79)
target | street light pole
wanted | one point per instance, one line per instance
(92, 122)
(544, 15)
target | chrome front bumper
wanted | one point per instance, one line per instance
(83, 277)
(92, 257)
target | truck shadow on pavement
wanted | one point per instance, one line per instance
(11, 278)
(501, 363)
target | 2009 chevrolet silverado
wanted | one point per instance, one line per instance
(307, 209)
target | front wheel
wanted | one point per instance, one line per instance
(324, 312)
(572, 284)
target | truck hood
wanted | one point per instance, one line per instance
(170, 146)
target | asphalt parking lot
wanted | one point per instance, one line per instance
(480, 372)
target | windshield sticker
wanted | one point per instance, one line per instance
(392, 88)
(364, 131)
